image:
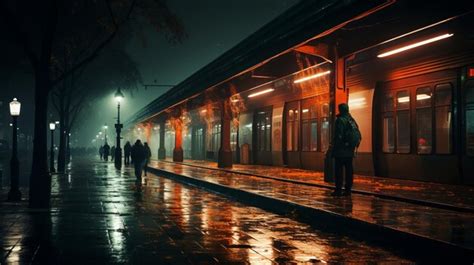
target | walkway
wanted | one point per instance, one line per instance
(441, 195)
(418, 222)
(98, 217)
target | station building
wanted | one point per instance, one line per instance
(406, 69)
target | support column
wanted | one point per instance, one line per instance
(178, 140)
(161, 149)
(225, 151)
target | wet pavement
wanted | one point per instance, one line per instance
(99, 217)
(451, 227)
(459, 196)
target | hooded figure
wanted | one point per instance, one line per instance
(127, 149)
(344, 143)
(138, 157)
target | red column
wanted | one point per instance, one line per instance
(178, 140)
(225, 151)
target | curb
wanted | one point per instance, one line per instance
(414, 245)
(369, 193)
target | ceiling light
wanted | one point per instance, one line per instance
(312, 77)
(261, 92)
(414, 45)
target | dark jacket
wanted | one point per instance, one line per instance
(340, 146)
(106, 150)
(138, 153)
(147, 152)
(127, 149)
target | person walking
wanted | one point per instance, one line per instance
(101, 152)
(147, 156)
(138, 156)
(112, 153)
(344, 145)
(106, 151)
(127, 148)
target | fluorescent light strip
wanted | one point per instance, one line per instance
(311, 77)
(414, 45)
(261, 92)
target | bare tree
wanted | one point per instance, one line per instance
(42, 27)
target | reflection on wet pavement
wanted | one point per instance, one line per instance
(445, 194)
(444, 225)
(98, 217)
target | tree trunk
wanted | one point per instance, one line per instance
(40, 179)
(62, 135)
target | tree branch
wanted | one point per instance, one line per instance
(19, 35)
(98, 49)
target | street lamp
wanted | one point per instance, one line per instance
(14, 194)
(52, 127)
(118, 127)
(105, 133)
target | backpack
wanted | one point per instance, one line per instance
(352, 135)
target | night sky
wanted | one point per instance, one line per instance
(212, 26)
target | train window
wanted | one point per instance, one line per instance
(309, 125)
(264, 129)
(292, 126)
(324, 127)
(403, 122)
(470, 120)
(424, 116)
(443, 98)
(388, 144)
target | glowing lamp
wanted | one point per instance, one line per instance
(15, 107)
(311, 77)
(261, 92)
(414, 45)
(52, 126)
(118, 96)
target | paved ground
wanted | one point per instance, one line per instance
(99, 217)
(447, 226)
(456, 195)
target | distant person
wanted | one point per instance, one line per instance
(344, 144)
(138, 154)
(101, 152)
(127, 149)
(147, 156)
(112, 153)
(106, 151)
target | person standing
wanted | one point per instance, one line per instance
(101, 152)
(147, 156)
(106, 151)
(126, 150)
(112, 153)
(138, 156)
(344, 144)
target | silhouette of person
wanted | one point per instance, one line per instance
(106, 151)
(138, 154)
(127, 149)
(147, 156)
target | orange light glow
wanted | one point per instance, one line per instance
(261, 92)
(312, 77)
(414, 45)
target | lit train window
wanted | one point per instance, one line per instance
(424, 120)
(443, 120)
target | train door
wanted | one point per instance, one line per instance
(415, 128)
(198, 149)
(262, 132)
(468, 133)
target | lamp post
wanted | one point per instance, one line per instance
(52, 127)
(14, 194)
(105, 133)
(118, 128)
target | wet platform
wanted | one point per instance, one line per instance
(445, 196)
(431, 228)
(98, 216)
